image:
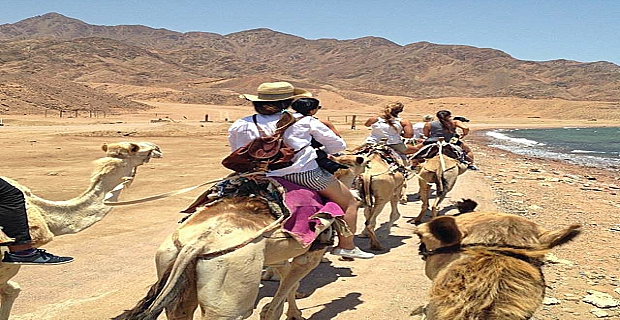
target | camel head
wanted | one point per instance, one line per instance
(122, 159)
(444, 239)
(356, 165)
(140, 151)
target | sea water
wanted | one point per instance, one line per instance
(594, 147)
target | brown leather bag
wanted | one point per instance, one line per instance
(267, 152)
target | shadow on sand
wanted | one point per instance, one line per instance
(325, 273)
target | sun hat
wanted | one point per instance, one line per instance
(276, 91)
(428, 117)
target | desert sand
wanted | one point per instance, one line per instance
(114, 259)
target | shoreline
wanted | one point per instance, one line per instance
(481, 136)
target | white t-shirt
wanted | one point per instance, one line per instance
(382, 130)
(298, 136)
(418, 130)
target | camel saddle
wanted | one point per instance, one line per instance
(305, 213)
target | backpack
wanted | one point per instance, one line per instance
(267, 152)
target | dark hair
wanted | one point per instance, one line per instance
(443, 117)
(271, 107)
(305, 105)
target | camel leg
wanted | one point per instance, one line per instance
(367, 213)
(424, 194)
(8, 294)
(371, 223)
(299, 268)
(394, 214)
(165, 256)
(228, 285)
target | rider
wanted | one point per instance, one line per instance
(310, 107)
(445, 127)
(14, 223)
(271, 102)
(390, 128)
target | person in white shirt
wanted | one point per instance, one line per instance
(270, 104)
(389, 127)
(418, 128)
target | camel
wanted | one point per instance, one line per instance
(443, 171)
(54, 218)
(486, 265)
(214, 260)
(381, 183)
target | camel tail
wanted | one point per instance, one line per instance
(366, 182)
(441, 181)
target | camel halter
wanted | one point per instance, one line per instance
(177, 192)
(497, 249)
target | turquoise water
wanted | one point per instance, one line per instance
(598, 147)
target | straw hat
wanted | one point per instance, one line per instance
(276, 91)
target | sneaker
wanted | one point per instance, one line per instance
(38, 257)
(472, 167)
(352, 253)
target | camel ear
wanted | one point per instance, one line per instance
(104, 147)
(445, 230)
(554, 238)
(133, 148)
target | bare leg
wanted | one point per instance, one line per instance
(340, 194)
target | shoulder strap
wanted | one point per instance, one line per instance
(260, 131)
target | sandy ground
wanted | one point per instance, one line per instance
(114, 258)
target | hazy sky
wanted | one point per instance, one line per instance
(582, 30)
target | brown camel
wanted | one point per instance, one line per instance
(381, 183)
(54, 218)
(443, 171)
(486, 265)
(214, 260)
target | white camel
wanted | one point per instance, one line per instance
(381, 183)
(214, 260)
(54, 218)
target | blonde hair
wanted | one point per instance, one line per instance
(391, 111)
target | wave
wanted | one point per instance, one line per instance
(523, 141)
(587, 151)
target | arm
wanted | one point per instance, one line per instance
(326, 137)
(331, 127)
(463, 127)
(239, 135)
(407, 128)
(427, 129)
(370, 121)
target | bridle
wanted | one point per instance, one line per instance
(493, 248)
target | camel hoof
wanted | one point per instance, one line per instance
(325, 260)
(301, 295)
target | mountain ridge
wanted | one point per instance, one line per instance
(64, 51)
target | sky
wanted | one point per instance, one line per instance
(581, 30)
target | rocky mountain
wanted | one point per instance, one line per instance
(66, 63)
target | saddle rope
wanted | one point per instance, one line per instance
(177, 192)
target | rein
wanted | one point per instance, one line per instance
(457, 248)
(177, 192)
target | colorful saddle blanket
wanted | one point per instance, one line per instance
(299, 206)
